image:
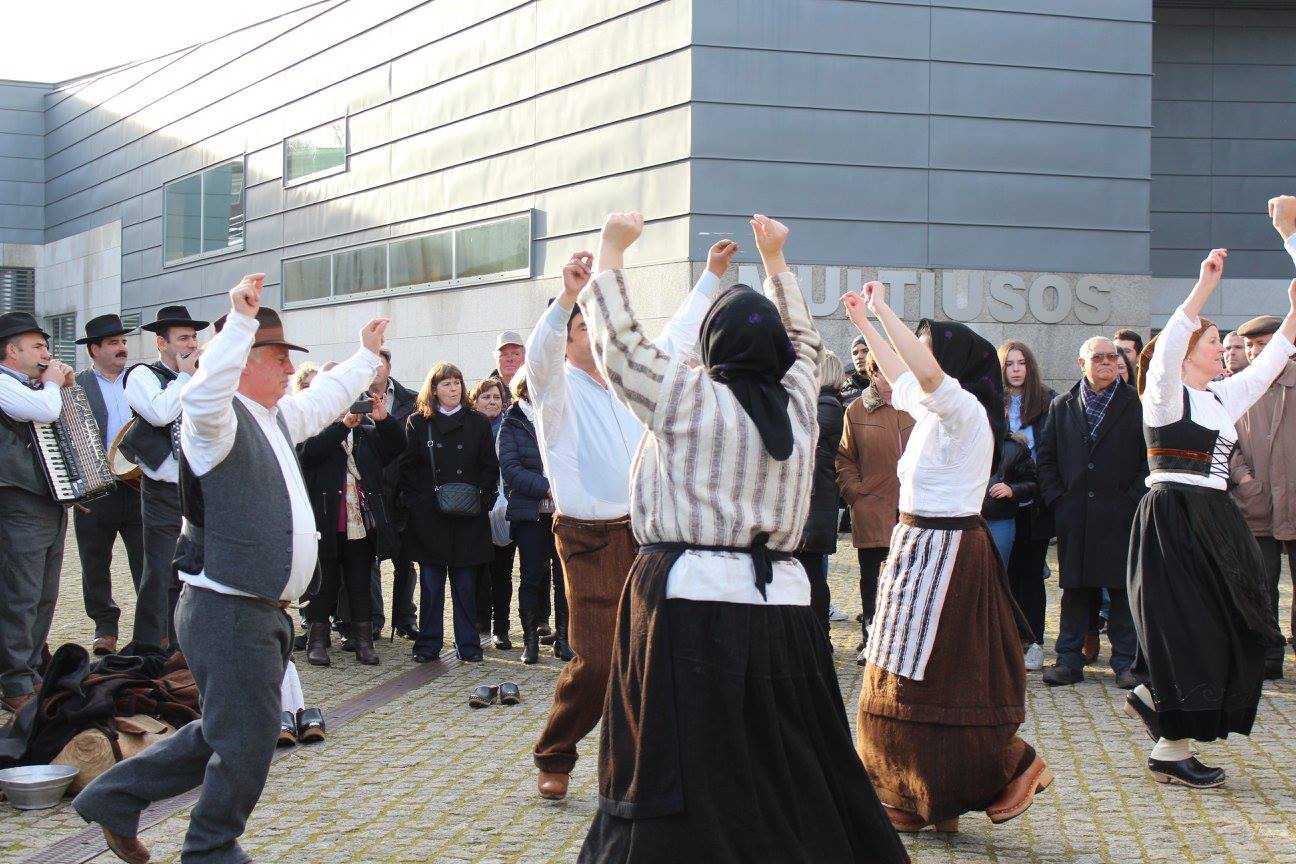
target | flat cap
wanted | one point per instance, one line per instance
(1265, 325)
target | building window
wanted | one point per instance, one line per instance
(474, 254)
(202, 214)
(62, 330)
(17, 290)
(315, 153)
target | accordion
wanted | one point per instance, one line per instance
(71, 451)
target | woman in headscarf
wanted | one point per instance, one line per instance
(724, 737)
(1201, 613)
(944, 686)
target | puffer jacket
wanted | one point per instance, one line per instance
(525, 484)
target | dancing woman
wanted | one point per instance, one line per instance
(1202, 616)
(724, 736)
(944, 687)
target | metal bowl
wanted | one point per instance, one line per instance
(36, 787)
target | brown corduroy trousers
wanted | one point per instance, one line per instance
(596, 558)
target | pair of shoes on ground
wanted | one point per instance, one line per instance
(1013, 801)
(1184, 772)
(1060, 675)
(304, 727)
(506, 693)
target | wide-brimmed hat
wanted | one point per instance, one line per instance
(174, 316)
(13, 323)
(270, 330)
(102, 327)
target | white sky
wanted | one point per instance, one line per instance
(54, 40)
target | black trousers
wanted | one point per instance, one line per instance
(159, 587)
(495, 591)
(1079, 609)
(117, 513)
(871, 560)
(1026, 575)
(541, 568)
(1271, 551)
(816, 570)
(349, 570)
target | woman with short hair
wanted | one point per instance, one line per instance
(448, 449)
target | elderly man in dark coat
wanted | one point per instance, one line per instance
(1092, 468)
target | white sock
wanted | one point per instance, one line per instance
(290, 690)
(1142, 692)
(1167, 750)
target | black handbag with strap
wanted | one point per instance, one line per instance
(457, 500)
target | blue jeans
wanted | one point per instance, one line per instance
(463, 598)
(541, 569)
(1004, 532)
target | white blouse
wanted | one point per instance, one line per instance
(1217, 407)
(946, 465)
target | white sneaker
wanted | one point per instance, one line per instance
(1034, 657)
(835, 614)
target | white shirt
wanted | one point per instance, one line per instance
(210, 426)
(946, 464)
(159, 406)
(1217, 407)
(26, 405)
(587, 437)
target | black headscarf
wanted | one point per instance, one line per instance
(973, 361)
(746, 348)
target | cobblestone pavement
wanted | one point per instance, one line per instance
(424, 778)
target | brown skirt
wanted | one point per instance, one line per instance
(948, 744)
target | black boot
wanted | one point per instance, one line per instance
(560, 647)
(362, 634)
(530, 639)
(317, 642)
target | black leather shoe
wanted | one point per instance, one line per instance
(299, 642)
(424, 657)
(287, 730)
(1186, 772)
(471, 658)
(509, 694)
(310, 725)
(484, 695)
(502, 643)
(405, 631)
(1126, 680)
(1057, 675)
(1138, 709)
(545, 633)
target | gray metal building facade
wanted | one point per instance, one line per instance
(1042, 168)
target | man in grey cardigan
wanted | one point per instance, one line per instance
(242, 563)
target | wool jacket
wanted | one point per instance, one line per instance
(1267, 451)
(873, 437)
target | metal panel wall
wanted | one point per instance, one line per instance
(22, 194)
(1224, 137)
(932, 134)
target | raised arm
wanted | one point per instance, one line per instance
(1239, 392)
(783, 291)
(680, 335)
(901, 350)
(546, 347)
(309, 411)
(1163, 385)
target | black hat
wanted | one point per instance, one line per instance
(174, 316)
(13, 323)
(103, 327)
(270, 330)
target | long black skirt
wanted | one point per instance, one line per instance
(1201, 612)
(766, 767)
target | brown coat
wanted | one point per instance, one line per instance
(874, 436)
(1267, 449)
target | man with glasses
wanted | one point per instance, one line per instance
(1092, 466)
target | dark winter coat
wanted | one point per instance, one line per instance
(1093, 489)
(1017, 469)
(403, 402)
(1041, 515)
(465, 453)
(525, 484)
(820, 534)
(855, 384)
(324, 468)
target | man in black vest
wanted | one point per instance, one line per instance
(153, 391)
(32, 524)
(1092, 468)
(100, 521)
(243, 559)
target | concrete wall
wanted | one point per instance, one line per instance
(1224, 142)
(82, 274)
(22, 167)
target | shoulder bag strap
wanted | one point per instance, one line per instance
(432, 454)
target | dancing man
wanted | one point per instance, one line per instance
(724, 736)
(1196, 575)
(587, 439)
(243, 562)
(944, 686)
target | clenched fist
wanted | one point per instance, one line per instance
(245, 297)
(719, 256)
(621, 230)
(1282, 210)
(576, 274)
(1212, 268)
(371, 335)
(770, 235)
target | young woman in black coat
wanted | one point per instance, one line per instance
(446, 546)
(530, 515)
(819, 539)
(1011, 482)
(343, 469)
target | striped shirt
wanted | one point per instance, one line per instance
(701, 474)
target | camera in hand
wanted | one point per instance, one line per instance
(362, 406)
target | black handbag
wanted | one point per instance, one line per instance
(458, 500)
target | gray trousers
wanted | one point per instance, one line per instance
(1271, 551)
(117, 513)
(159, 587)
(237, 649)
(32, 528)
